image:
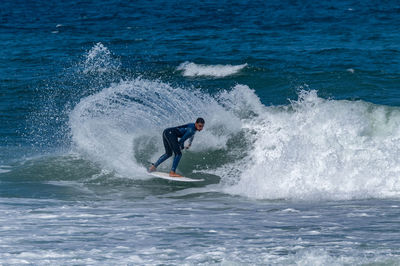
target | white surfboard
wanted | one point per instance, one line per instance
(179, 179)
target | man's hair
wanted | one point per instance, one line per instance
(200, 120)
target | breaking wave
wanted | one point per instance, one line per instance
(311, 148)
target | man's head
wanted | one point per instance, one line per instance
(199, 124)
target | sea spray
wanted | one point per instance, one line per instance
(106, 126)
(99, 60)
(48, 124)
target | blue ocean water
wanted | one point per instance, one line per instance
(300, 151)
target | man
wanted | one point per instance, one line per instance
(172, 144)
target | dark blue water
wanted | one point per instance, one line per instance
(300, 152)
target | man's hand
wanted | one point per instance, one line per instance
(187, 147)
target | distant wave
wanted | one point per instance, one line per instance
(4, 169)
(190, 69)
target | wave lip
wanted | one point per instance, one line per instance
(190, 69)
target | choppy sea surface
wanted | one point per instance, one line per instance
(300, 151)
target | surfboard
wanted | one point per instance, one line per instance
(179, 179)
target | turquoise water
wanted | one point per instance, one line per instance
(300, 151)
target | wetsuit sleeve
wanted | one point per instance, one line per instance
(191, 140)
(189, 134)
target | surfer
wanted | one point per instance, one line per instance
(172, 144)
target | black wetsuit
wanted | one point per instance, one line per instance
(172, 144)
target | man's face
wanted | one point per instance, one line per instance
(199, 126)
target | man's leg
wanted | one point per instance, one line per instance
(165, 156)
(173, 141)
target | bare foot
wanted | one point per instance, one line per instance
(173, 174)
(152, 168)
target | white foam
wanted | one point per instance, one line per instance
(316, 148)
(190, 69)
(319, 256)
